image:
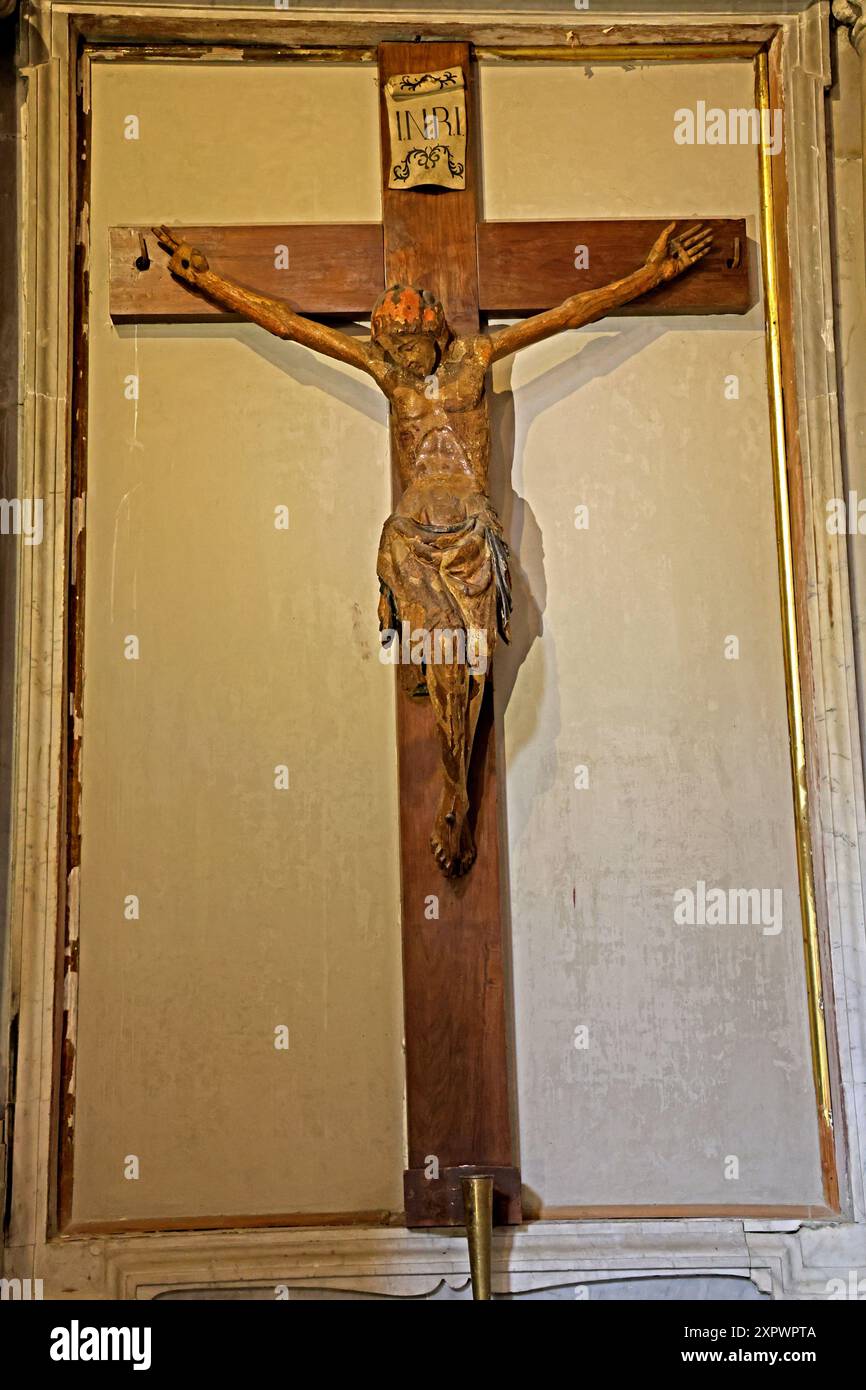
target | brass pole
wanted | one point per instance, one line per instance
(478, 1205)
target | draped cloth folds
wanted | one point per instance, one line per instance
(445, 578)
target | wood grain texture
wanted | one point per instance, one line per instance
(430, 233)
(524, 267)
(439, 1202)
(131, 1225)
(135, 33)
(332, 269)
(454, 998)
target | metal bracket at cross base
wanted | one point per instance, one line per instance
(477, 1196)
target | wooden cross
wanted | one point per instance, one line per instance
(459, 1116)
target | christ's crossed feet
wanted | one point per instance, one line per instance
(452, 841)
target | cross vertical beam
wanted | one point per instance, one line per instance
(453, 976)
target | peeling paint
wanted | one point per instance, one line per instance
(78, 509)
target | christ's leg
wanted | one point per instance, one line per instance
(448, 685)
(476, 699)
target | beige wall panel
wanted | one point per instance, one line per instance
(258, 647)
(698, 1039)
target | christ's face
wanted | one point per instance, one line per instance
(415, 353)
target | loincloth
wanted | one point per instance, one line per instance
(446, 578)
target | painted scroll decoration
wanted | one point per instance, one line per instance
(427, 129)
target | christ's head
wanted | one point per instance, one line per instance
(409, 325)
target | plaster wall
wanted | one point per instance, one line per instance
(657, 1062)
(261, 907)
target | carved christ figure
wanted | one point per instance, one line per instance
(443, 562)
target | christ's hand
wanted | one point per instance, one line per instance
(671, 255)
(186, 263)
(191, 266)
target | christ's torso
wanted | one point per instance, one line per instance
(441, 429)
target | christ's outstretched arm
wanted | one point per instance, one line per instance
(669, 257)
(191, 266)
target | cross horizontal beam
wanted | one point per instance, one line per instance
(321, 269)
(335, 269)
(524, 267)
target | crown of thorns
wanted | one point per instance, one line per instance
(407, 309)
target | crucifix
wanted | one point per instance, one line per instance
(430, 271)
